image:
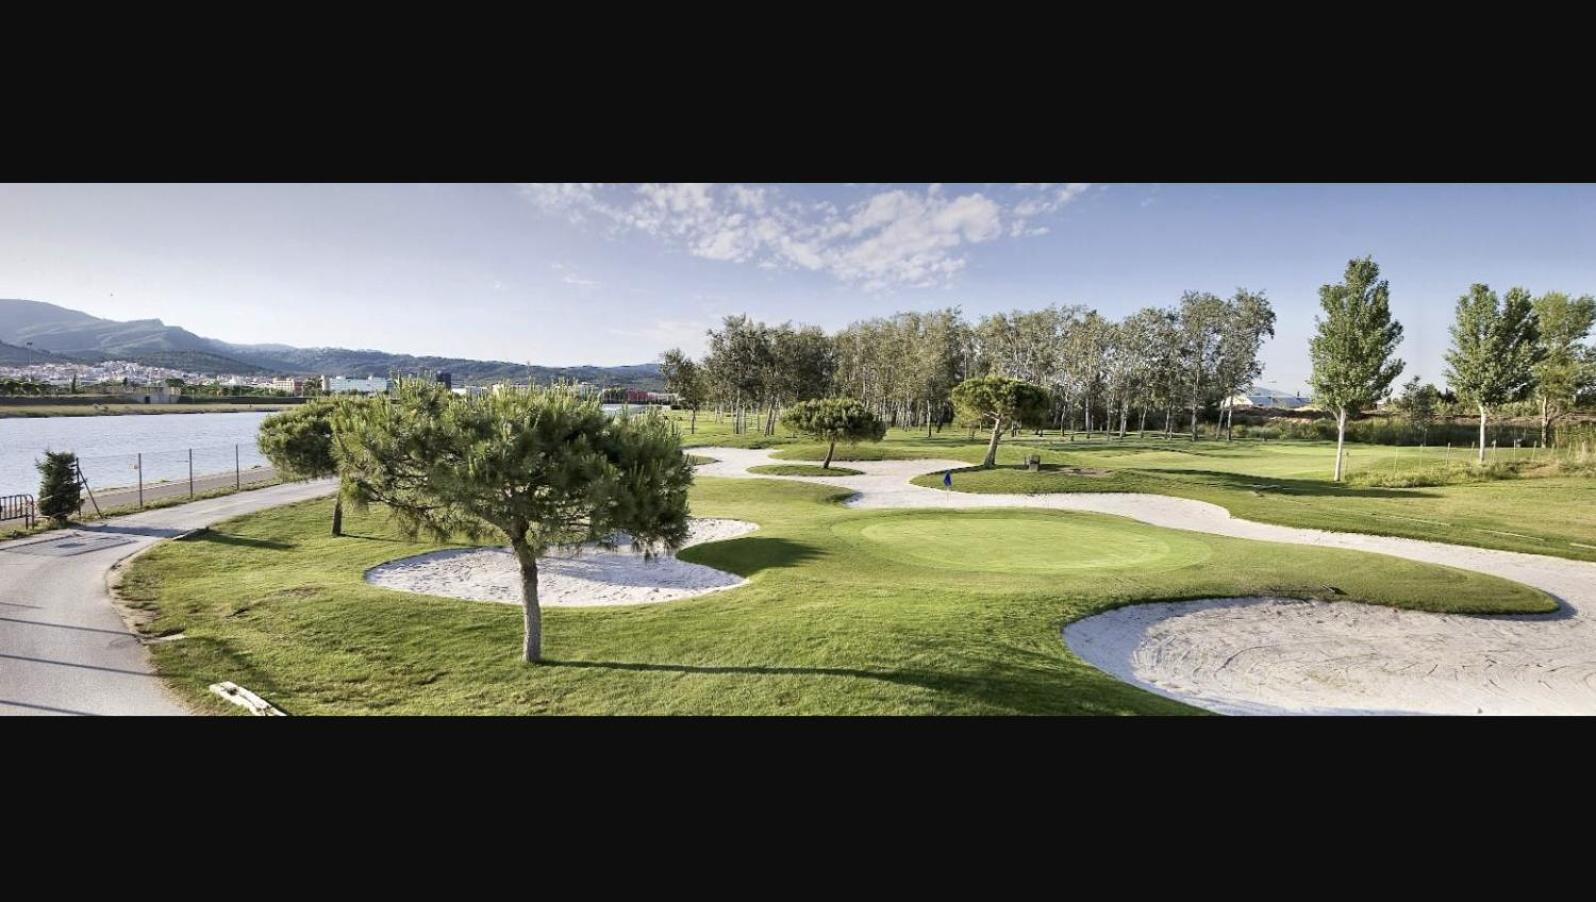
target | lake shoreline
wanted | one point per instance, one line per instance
(8, 412)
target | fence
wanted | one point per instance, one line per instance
(122, 480)
(19, 507)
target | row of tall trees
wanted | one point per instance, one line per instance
(1095, 372)
(1504, 350)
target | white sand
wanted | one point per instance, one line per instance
(591, 576)
(1272, 656)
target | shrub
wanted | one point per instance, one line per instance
(60, 493)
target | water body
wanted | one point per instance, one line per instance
(108, 447)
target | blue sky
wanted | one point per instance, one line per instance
(611, 274)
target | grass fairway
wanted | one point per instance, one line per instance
(1282, 482)
(846, 612)
(802, 470)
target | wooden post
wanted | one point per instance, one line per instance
(191, 474)
(140, 468)
(238, 477)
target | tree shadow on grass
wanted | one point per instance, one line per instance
(750, 555)
(1249, 482)
(123, 529)
(222, 538)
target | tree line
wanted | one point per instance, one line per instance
(1167, 363)
(1505, 349)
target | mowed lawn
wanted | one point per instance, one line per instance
(846, 612)
(1285, 482)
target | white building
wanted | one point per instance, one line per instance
(1258, 396)
(371, 385)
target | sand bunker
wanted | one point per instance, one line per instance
(1283, 656)
(1277, 656)
(590, 577)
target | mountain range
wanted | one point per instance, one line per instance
(37, 332)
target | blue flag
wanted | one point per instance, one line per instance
(947, 478)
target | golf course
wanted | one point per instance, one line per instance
(874, 588)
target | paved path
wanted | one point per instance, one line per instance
(123, 496)
(63, 647)
(1275, 656)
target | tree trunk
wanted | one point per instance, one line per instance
(338, 516)
(1482, 434)
(1341, 437)
(991, 448)
(531, 614)
(692, 424)
(1545, 421)
(1230, 420)
(928, 418)
(830, 450)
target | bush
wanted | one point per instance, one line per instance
(60, 493)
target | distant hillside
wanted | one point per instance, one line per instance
(11, 355)
(188, 361)
(74, 334)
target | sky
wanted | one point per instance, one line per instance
(567, 274)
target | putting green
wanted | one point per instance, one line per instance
(1022, 542)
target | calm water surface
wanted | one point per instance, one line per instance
(109, 446)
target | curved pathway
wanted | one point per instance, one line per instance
(63, 647)
(1277, 656)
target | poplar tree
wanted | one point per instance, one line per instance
(1495, 347)
(1567, 368)
(1353, 346)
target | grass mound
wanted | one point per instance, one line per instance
(803, 470)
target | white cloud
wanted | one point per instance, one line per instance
(888, 238)
(691, 337)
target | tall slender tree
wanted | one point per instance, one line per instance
(1567, 368)
(1248, 321)
(1354, 346)
(1495, 347)
(1202, 323)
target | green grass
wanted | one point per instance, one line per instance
(846, 612)
(1524, 500)
(802, 470)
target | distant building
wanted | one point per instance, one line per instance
(155, 394)
(371, 385)
(1258, 396)
(290, 385)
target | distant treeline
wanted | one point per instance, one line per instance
(1164, 366)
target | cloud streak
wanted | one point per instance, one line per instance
(888, 238)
